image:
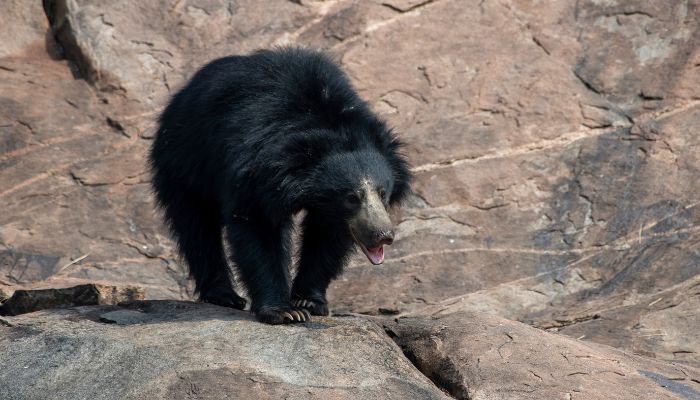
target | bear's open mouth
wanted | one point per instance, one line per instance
(375, 255)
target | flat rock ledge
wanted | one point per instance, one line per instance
(186, 350)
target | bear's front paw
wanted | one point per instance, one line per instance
(282, 315)
(315, 307)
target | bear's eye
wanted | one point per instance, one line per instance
(382, 194)
(352, 200)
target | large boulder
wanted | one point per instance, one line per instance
(178, 350)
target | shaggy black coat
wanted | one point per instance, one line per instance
(249, 142)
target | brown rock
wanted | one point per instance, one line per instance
(477, 356)
(24, 27)
(637, 44)
(542, 172)
(662, 324)
(26, 301)
(143, 50)
(73, 183)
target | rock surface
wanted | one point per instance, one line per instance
(178, 350)
(545, 167)
(663, 324)
(477, 356)
(76, 206)
(181, 350)
(554, 146)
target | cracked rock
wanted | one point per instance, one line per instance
(477, 356)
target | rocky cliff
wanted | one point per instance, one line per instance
(555, 146)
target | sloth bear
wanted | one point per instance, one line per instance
(249, 142)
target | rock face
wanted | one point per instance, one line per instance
(554, 144)
(547, 171)
(177, 350)
(477, 356)
(184, 350)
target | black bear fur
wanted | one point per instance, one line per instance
(249, 142)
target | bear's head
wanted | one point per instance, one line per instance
(356, 189)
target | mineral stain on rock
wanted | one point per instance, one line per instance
(674, 386)
(20, 266)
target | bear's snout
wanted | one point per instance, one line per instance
(385, 238)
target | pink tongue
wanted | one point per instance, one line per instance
(376, 255)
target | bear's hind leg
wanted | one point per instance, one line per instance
(324, 251)
(197, 228)
(261, 253)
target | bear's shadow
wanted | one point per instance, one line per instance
(171, 311)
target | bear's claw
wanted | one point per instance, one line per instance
(283, 315)
(312, 306)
